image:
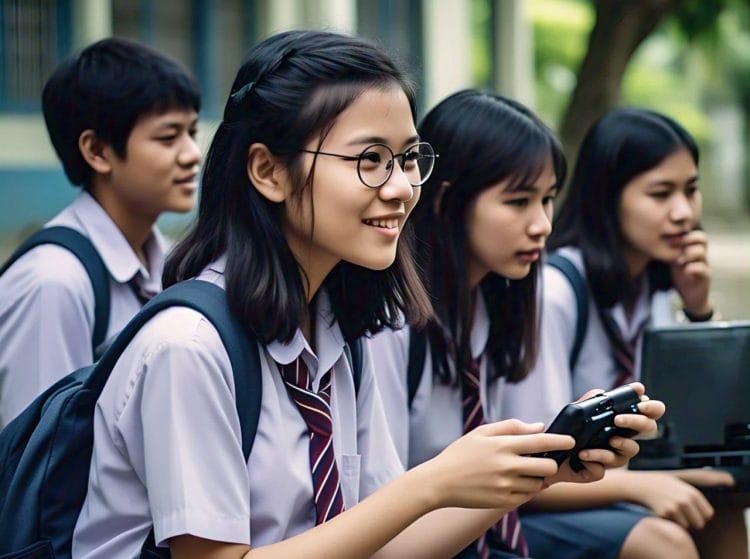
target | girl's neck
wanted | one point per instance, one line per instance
(636, 262)
(476, 273)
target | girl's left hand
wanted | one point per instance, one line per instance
(596, 460)
(691, 273)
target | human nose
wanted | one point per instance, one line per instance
(540, 223)
(397, 187)
(190, 154)
(682, 209)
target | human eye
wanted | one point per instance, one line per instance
(167, 134)
(518, 202)
(193, 132)
(371, 158)
(659, 194)
(692, 189)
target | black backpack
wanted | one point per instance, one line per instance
(45, 452)
(418, 339)
(84, 250)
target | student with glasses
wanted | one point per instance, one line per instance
(481, 226)
(309, 251)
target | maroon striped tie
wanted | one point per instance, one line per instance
(315, 409)
(509, 527)
(623, 350)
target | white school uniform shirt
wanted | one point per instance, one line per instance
(168, 449)
(436, 416)
(550, 385)
(47, 303)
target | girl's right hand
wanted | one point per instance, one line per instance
(490, 467)
(671, 498)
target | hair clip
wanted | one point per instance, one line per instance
(238, 96)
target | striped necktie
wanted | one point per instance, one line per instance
(623, 349)
(315, 409)
(508, 530)
(142, 294)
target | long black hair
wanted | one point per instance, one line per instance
(482, 139)
(621, 145)
(289, 90)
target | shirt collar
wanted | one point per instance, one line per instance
(330, 342)
(117, 254)
(641, 312)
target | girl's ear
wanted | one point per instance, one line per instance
(267, 173)
(445, 185)
(94, 152)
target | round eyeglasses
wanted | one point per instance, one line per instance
(375, 163)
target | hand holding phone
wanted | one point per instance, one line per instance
(591, 423)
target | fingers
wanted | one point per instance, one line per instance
(509, 427)
(702, 513)
(625, 449)
(694, 248)
(529, 484)
(639, 389)
(602, 456)
(642, 425)
(692, 511)
(705, 477)
(540, 442)
(651, 409)
(592, 471)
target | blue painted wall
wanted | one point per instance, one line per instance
(31, 196)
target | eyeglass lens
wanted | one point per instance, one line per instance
(376, 164)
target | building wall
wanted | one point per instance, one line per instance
(432, 37)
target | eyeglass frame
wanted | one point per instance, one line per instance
(358, 159)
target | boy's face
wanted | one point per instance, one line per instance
(160, 169)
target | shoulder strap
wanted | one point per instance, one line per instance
(209, 300)
(355, 351)
(84, 250)
(417, 355)
(574, 277)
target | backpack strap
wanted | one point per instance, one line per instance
(417, 356)
(209, 300)
(84, 250)
(575, 278)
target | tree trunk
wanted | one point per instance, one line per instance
(620, 27)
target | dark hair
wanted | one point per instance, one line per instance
(482, 139)
(621, 145)
(106, 88)
(291, 88)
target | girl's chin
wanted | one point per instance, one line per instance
(374, 264)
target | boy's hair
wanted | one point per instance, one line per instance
(106, 88)
(482, 139)
(290, 90)
(621, 145)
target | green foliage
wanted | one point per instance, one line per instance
(560, 38)
(698, 17)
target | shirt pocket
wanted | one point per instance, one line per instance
(350, 466)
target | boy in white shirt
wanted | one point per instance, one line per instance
(122, 119)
